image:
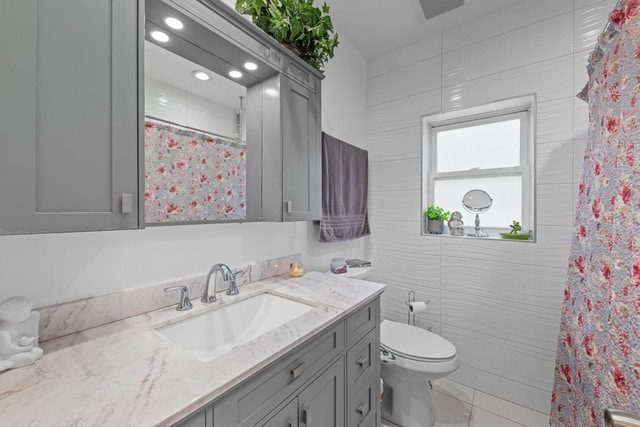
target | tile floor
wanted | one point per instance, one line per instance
(456, 405)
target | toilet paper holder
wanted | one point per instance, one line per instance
(411, 303)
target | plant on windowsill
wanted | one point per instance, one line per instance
(435, 216)
(516, 232)
(303, 28)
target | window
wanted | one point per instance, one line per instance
(488, 148)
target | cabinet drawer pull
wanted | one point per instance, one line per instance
(363, 409)
(297, 371)
(292, 423)
(363, 361)
(304, 417)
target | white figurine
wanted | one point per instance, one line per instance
(456, 226)
(18, 333)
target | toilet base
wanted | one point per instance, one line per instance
(407, 404)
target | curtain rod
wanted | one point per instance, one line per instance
(228, 138)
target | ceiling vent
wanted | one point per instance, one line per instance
(433, 8)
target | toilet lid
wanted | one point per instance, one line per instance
(414, 343)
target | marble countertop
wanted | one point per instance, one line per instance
(127, 374)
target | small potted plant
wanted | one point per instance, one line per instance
(435, 216)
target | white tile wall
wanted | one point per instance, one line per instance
(499, 302)
(527, 45)
(404, 82)
(395, 144)
(179, 106)
(519, 16)
(396, 60)
(402, 113)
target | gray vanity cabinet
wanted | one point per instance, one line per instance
(68, 115)
(252, 401)
(320, 404)
(202, 418)
(330, 381)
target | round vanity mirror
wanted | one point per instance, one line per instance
(477, 201)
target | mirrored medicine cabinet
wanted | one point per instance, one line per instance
(106, 127)
(199, 163)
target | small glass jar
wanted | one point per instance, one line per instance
(296, 269)
(338, 265)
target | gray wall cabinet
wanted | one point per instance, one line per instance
(68, 115)
(289, 132)
(331, 381)
(283, 118)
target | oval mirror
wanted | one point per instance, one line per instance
(477, 201)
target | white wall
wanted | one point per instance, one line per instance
(53, 268)
(499, 302)
(182, 107)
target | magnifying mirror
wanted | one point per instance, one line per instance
(477, 201)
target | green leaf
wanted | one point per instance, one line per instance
(296, 22)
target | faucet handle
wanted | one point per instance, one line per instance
(229, 277)
(185, 303)
(233, 288)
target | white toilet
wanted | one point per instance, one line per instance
(411, 357)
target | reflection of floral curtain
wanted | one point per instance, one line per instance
(192, 176)
(598, 360)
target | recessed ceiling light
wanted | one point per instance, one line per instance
(160, 36)
(251, 66)
(200, 75)
(235, 74)
(174, 23)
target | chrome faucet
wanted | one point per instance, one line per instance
(227, 276)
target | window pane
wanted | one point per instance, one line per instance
(490, 145)
(506, 192)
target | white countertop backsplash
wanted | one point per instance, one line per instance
(125, 373)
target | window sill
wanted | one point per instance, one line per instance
(493, 236)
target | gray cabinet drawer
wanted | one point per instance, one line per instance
(255, 398)
(361, 322)
(361, 362)
(285, 417)
(361, 410)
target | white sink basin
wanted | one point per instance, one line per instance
(220, 330)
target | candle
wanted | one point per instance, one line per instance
(296, 270)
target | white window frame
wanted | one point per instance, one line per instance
(523, 108)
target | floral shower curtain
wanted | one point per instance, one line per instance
(598, 360)
(192, 176)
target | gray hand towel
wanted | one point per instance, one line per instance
(345, 176)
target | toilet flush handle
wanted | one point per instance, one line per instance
(386, 357)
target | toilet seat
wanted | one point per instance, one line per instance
(413, 343)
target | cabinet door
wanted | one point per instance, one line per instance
(68, 114)
(202, 418)
(301, 155)
(322, 403)
(286, 417)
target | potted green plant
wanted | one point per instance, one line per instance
(298, 24)
(435, 216)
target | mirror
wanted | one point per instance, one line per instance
(198, 164)
(477, 201)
